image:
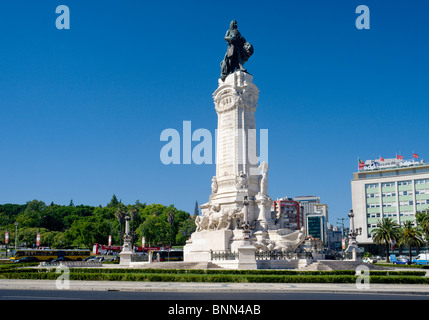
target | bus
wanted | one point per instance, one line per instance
(167, 255)
(50, 254)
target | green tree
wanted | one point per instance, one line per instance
(196, 209)
(31, 216)
(186, 228)
(422, 219)
(410, 236)
(113, 202)
(386, 230)
(87, 231)
(120, 213)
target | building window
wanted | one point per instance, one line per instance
(388, 184)
(406, 203)
(404, 183)
(423, 201)
(373, 195)
(422, 191)
(371, 185)
(406, 193)
(389, 194)
(373, 205)
(389, 204)
(422, 181)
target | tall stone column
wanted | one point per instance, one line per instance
(237, 173)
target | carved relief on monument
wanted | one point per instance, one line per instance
(219, 219)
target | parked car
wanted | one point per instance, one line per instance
(94, 258)
(114, 259)
(401, 260)
(27, 259)
(90, 258)
(62, 259)
(369, 260)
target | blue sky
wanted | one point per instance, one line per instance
(82, 110)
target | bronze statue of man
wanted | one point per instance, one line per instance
(239, 51)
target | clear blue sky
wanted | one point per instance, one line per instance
(81, 110)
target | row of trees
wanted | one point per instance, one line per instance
(81, 226)
(410, 234)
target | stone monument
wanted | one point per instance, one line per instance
(237, 217)
(127, 250)
(353, 244)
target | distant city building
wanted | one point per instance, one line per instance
(388, 188)
(307, 203)
(317, 226)
(287, 213)
(334, 237)
(307, 212)
(322, 209)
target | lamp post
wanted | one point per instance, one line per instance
(353, 245)
(16, 234)
(170, 220)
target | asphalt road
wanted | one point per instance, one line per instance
(19, 294)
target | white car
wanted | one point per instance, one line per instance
(369, 260)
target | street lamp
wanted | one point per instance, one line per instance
(352, 235)
(16, 234)
(170, 220)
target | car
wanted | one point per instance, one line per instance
(27, 259)
(96, 259)
(61, 259)
(369, 260)
(114, 259)
(90, 258)
(401, 261)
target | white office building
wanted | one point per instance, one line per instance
(392, 188)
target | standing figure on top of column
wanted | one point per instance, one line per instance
(239, 51)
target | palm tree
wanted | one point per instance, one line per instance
(422, 219)
(411, 236)
(386, 231)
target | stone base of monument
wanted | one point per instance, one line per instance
(202, 243)
(284, 263)
(221, 241)
(246, 258)
(125, 258)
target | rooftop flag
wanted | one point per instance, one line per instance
(361, 164)
(399, 157)
(415, 155)
(381, 159)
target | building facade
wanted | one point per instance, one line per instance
(388, 188)
(317, 226)
(287, 213)
(308, 205)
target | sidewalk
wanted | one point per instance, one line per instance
(213, 287)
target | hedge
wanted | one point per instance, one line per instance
(183, 277)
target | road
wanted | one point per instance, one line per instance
(34, 294)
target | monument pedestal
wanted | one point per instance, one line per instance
(125, 258)
(246, 257)
(199, 247)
